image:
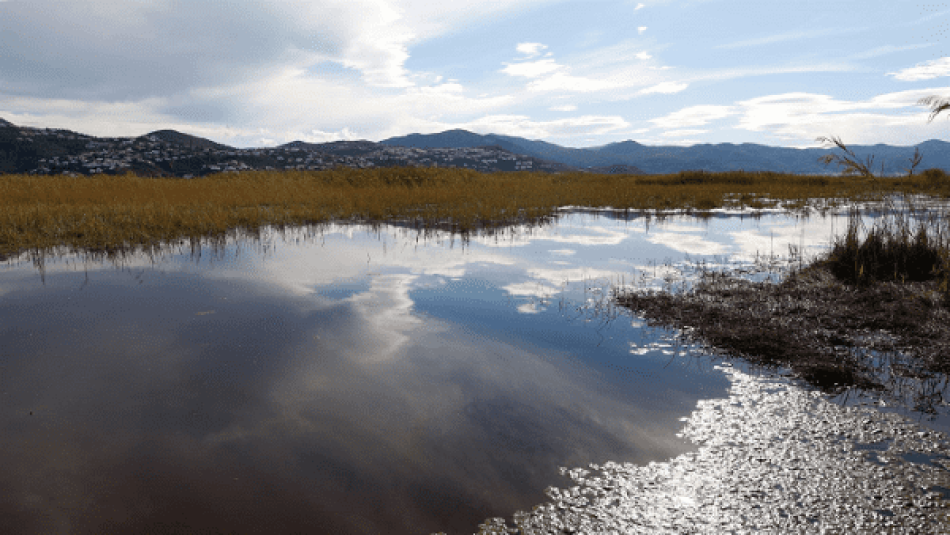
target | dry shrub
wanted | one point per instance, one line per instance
(935, 177)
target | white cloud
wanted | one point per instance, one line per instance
(887, 49)
(797, 116)
(561, 81)
(665, 87)
(379, 50)
(694, 116)
(163, 47)
(97, 117)
(198, 67)
(323, 70)
(801, 104)
(532, 69)
(446, 89)
(744, 72)
(802, 115)
(791, 36)
(606, 69)
(431, 19)
(530, 49)
(524, 126)
(319, 136)
(681, 133)
(924, 71)
(354, 106)
(607, 60)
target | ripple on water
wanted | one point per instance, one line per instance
(773, 458)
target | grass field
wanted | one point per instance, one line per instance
(118, 213)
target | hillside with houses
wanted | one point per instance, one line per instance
(48, 151)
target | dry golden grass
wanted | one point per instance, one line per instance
(106, 213)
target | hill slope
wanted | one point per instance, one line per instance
(713, 158)
(168, 152)
(186, 140)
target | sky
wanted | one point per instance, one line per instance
(575, 73)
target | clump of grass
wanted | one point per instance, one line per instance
(892, 250)
(935, 178)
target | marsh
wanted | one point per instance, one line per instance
(360, 378)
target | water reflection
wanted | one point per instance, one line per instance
(345, 378)
(774, 458)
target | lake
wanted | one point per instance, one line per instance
(356, 379)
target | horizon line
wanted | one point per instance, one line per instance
(2, 121)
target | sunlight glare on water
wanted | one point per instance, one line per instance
(352, 379)
(773, 458)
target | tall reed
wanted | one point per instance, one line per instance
(894, 249)
(112, 212)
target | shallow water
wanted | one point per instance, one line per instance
(773, 458)
(352, 379)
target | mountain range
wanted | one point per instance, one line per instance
(24, 149)
(712, 158)
(47, 151)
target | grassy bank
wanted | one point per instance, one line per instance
(109, 213)
(875, 308)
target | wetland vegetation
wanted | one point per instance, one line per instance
(108, 215)
(895, 279)
(114, 213)
(872, 310)
(877, 293)
(362, 397)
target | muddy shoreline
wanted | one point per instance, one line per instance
(832, 334)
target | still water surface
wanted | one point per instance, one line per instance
(350, 379)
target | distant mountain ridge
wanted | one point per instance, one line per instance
(452, 139)
(343, 148)
(24, 149)
(712, 158)
(48, 151)
(186, 140)
(518, 145)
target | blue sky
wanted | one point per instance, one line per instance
(575, 73)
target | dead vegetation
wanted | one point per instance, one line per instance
(879, 298)
(115, 213)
